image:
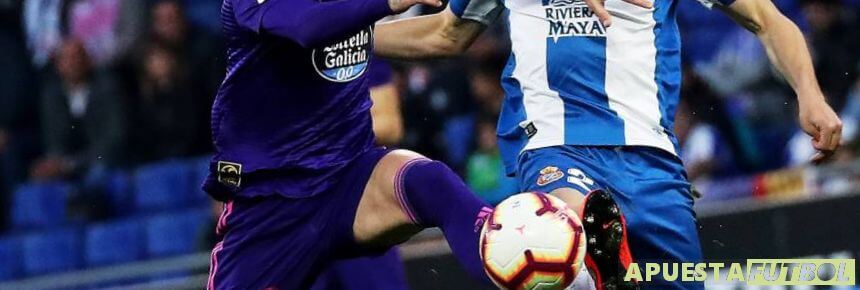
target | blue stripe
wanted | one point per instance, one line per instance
(576, 67)
(668, 71)
(512, 139)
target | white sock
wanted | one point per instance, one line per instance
(583, 281)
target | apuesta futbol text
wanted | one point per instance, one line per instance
(754, 272)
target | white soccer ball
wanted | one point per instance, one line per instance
(533, 241)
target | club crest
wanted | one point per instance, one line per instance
(549, 175)
(230, 174)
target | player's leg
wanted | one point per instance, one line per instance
(553, 170)
(650, 188)
(569, 173)
(277, 242)
(385, 271)
(575, 198)
(609, 253)
(408, 192)
(270, 242)
(658, 206)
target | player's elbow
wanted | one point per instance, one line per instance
(389, 131)
(777, 28)
(765, 19)
(753, 23)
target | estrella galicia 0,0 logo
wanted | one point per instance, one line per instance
(345, 60)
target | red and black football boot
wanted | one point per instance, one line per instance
(608, 254)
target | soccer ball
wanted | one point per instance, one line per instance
(533, 241)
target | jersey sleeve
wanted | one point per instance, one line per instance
(308, 22)
(710, 3)
(248, 14)
(483, 11)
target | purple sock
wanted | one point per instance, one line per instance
(434, 196)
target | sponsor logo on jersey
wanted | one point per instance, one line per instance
(230, 174)
(549, 175)
(571, 18)
(346, 60)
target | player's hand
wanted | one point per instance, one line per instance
(399, 6)
(603, 15)
(820, 121)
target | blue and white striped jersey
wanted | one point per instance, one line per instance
(571, 81)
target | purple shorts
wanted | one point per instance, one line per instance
(279, 243)
(379, 272)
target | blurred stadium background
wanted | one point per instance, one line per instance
(104, 136)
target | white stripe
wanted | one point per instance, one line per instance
(213, 266)
(544, 107)
(631, 87)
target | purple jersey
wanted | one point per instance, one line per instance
(379, 73)
(294, 107)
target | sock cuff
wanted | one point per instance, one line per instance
(400, 190)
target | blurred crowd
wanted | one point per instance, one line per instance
(92, 85)
(89, 86)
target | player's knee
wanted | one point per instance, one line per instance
(387, 215)
(403, 156)
(387, 172)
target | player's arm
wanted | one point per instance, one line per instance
(311, 23)
(787, 50)
(443, 34)
(387, 122)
